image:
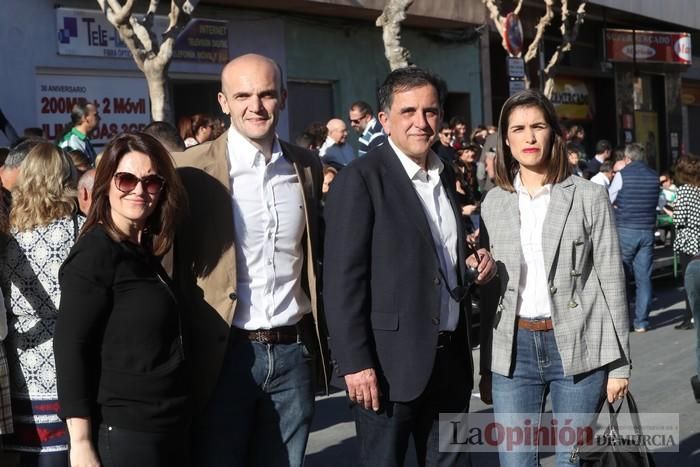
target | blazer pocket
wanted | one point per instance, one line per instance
(384, 321)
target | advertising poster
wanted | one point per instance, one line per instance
(624, 45)
(572, 99)
(122, 103)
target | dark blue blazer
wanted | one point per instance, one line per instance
(382, 282)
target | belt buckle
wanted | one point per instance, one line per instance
(262, 336)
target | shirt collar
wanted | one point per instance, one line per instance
(415, 171)
(521, 190)
(246, 152)
(78, 133)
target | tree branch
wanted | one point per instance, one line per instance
(541, 26)
(568, 37)
(390, 21)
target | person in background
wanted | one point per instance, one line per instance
(369, 130)
(634, 194)
(574, 157)
(686, 220)
(85, 185)
(80, 160)
(329, 174)
(603, 152)
(34, 132)
(692, 289)
(459, 131)
(669, 192)
(166, 134)
(485, 168)
(5, 402)
(122, 386)
(336, 150)
(43, 228)
(468, 195)
(479, 135)
(200, 130)
(605, 174)
(560, 284)
(10, 170)
(84, 119)
(443, 146)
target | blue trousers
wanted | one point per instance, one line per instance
(261, 410)
(637, 248)
(692, 290)
(520, 399)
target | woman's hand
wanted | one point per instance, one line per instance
(469, 209)
(82, 454)
(617, 388)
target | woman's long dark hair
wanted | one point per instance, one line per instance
(172, 203)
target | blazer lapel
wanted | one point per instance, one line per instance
(216, 161)
(559, 207)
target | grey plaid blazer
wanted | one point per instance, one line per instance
(585, 277)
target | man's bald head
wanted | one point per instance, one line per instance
(85, 184)
(253, 95)
(247, 62)
(337, 130)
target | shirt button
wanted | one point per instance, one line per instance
(269, 261)
(436, 321)
(269, 235)
(436, 281)
(573, 304)
(552, 290)
(233, 296)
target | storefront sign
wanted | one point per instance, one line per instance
(572, 99)
(122, 103)
(623, 45)
(88, 33)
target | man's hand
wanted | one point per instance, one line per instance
(485, 389)
(363, 388)
(617, 388)
(487, 267)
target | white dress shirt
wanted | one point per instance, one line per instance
(268, 215)
(601, 179)
(331, 151)
(442, 223)
(533, 291)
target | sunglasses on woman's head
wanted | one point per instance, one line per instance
(126, 182)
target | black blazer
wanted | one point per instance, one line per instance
(382, 282)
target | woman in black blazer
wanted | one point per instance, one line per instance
(118, 343)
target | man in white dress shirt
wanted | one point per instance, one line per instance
(245, 263)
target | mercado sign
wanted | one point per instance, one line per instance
(626, 45)
(572, 99)
(88, 33)
(122, 103)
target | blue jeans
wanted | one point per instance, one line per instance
(692, 290)
(638, 257)
(261, 410)
(538, 371)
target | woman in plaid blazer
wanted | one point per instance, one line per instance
(559, 322)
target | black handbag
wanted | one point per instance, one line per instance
(609, 450)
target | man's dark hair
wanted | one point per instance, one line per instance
(457, 120)
(602, 146)
(443, 126)
(573, 147)
(404, 79)
(362, 106)
(34, 132)
(79, 111)
(19, 151)
(166, 134)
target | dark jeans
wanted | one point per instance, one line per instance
(47, 459)
(637, 248)
(261, 410)
(685, 260)
(126, 448)
(383, 436)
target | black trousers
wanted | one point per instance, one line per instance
(383, 436)
(126, 448)
(685, 259)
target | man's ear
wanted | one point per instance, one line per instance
(384, 120)
(223, 103)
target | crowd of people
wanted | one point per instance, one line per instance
(179, 298)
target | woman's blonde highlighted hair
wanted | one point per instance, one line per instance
(44, 190)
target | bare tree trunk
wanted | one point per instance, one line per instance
(390, 21)
(151, 54)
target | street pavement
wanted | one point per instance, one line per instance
(663, 361)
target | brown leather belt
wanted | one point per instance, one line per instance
(535, 324)
(280, 335)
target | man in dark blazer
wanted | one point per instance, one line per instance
(395, 281)
(245, 263)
